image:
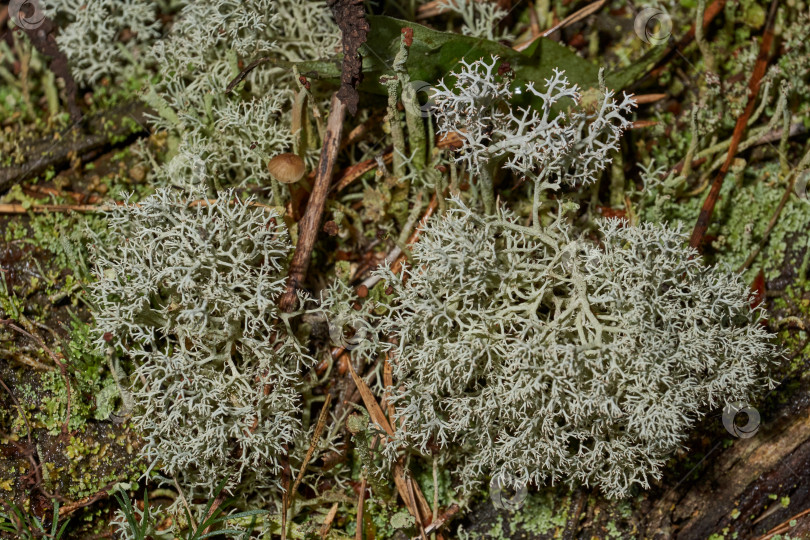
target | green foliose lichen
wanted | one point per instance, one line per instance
(740, 220)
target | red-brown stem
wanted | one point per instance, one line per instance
(310, 224)
(705, 216)
(358, 535)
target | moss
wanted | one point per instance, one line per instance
(740, 219)
(95, 457)
(94, 394)
(542, 512)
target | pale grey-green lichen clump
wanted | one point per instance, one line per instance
(228, 137)
(536, 356)
(189, 291)
(104, 38)
(552, 148)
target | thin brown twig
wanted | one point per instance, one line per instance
(214, 507)
(310, 223)
(705, 216)
(245, 72)
(86, 501)
(572, 525)
(185, 503)
(319, 427)
(361, 503)
(784, 526)
(327, 523)
(13, 208)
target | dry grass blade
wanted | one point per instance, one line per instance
(434, 203)
(442, 519)
(642, 99)
(421, 507)
(319, 427)
(577, 16)
(419, 521)
(327, 522)
(361, 503)
(350, 174)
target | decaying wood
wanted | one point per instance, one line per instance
(89, 135)
(61, 365)
(738, 481)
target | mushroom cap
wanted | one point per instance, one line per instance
(287, 168)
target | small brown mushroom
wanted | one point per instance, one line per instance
(287, 168)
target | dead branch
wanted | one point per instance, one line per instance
(350, 17)
(310, 224)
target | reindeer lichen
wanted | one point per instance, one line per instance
(189, 291)
(548, 146)
(539, 356)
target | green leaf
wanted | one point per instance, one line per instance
(434, 55)
(241, 515)
(222, 532)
